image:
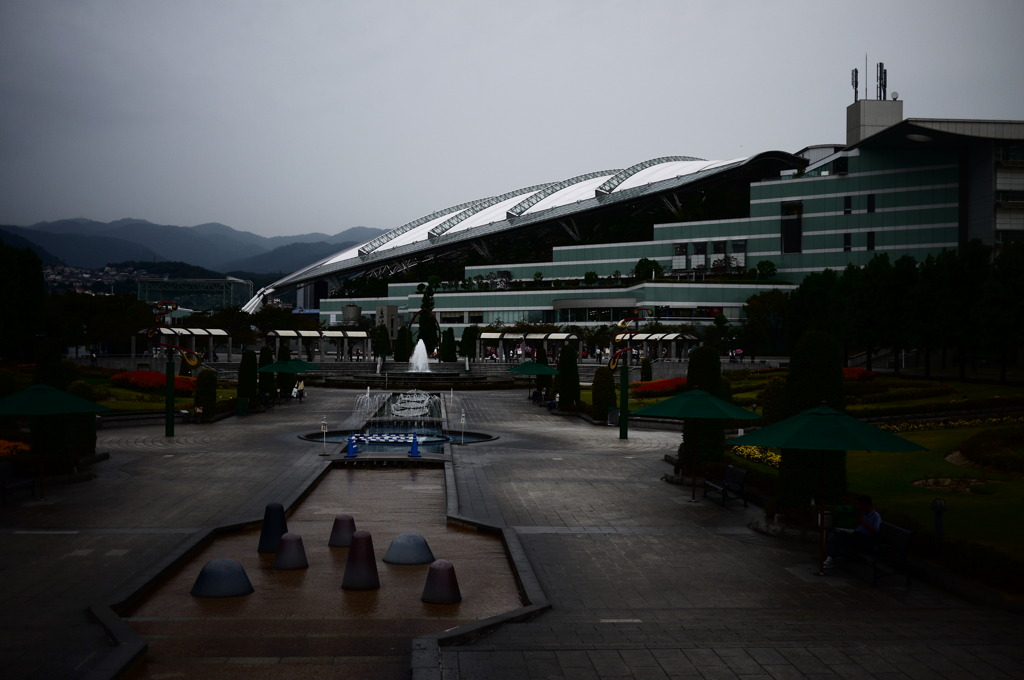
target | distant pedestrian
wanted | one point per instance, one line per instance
(300, 389)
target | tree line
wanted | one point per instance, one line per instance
(962, 308)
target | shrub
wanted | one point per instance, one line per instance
(999, 449)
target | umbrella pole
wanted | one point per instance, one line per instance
(821, 513)
(693, 467)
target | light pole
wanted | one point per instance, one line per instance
(323, 428)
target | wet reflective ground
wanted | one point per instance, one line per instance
(300, 623)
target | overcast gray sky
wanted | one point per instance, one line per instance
(291, 116)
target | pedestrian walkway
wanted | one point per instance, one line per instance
(642, 582)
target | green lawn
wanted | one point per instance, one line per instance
(992, 514)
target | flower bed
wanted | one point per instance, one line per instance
(658, 388)
(153, 381)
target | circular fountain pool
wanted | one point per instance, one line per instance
(392, 442)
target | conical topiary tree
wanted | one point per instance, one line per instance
(815, 378)
(602, 393)
(703, 438)
(205, 396)
(449, 352)
(246, 389)
(285, 381)
(403, 344)
(266, 380)
(568, 378)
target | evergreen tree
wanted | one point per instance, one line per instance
(428, 331)
(247, 377)
(646, 370)
(285, 381)
(602, 393)
(449, 351)
(380, 341)
(403, 344)
(467, 345)
(568, 379)
(704, 439)
(266, 380)
(544, 382)
(21, 305)
(205, 396)
(815, 378)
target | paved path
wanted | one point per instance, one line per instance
(643, 583)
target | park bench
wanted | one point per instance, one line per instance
(888, 557)
(730, 486)
(11, 482)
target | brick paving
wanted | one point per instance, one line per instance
(642, 583)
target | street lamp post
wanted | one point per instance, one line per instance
(323, 428)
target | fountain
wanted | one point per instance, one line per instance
(392, 420)
(418, 361)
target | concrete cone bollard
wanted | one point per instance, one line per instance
(341, 532)
(409, 548)
(222, 577)
(290, 553)
(415, 451)
(274, 527)
(361, 568)
(442, 587)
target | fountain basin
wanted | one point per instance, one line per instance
(398, 442)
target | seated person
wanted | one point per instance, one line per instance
(862, 538)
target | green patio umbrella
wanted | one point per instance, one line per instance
(533, 368)
(825, 429)
(290, 366)
(695, 404)
(43, 400)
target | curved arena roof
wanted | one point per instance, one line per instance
(494, 214)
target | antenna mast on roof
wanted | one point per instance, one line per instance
(853, 81)
(883, 77)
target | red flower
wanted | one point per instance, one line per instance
(153, 381)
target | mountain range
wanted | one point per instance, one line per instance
(89, 244)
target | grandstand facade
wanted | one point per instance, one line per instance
(563, 252)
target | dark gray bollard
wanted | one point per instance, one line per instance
(341, 532)
(222, 577)
(274, 527)
(361, 568)
(409, 548)
(442, 587)
(290, 553)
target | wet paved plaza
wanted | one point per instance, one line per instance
(641, 582)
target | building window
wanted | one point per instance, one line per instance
(871, 203)
(476, 317)
(841, 165)
(718, 247)
(871, 240)
(680, 249)
(847, 205)
(700, 248)
(847, 242)
(451, 317)
(792, 227)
